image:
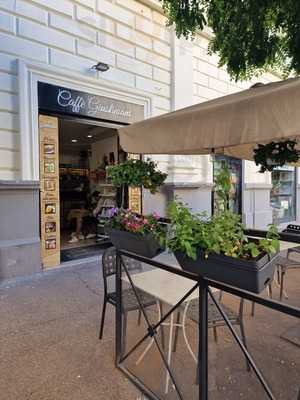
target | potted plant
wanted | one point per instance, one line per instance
(276, 154)
(217, 248)
(136, 173)
(135, 233)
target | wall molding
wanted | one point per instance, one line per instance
(190, 185)
(257, 186)
(19, 242)
(19, 185)
(154, 5)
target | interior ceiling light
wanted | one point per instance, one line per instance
(101, 67)
(89, 136)
(74, 140)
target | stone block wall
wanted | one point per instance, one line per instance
(74, 35)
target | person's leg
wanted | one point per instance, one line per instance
(78, 226)
(78, 215)
(90, 227)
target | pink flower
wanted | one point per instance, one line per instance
(155, 215)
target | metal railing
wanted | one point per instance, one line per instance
(203, 286)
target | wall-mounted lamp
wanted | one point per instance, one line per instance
(101, 67)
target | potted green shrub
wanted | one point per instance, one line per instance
(217, 248)
(128, 230)
(136, 173)
(135, 233)
(275, 154)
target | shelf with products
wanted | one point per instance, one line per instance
(105, 189)
(283, 194)
(286, 180)
(105, 185)
(74, 171)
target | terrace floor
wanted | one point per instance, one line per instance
(49, 347)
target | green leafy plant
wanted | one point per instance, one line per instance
(222, 186)
(223, 233)
(188, 231)
(249, 36)
(136, 173)
(275, 154)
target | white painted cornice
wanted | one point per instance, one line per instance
(154, 4)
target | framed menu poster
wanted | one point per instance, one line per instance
(49, 194)
(134, 194)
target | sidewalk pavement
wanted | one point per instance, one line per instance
(49, 346)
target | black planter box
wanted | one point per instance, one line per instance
(146, 246)
(252, 275)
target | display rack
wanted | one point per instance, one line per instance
(74, 171)
(106, 189)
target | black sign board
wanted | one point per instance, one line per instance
(62, 100)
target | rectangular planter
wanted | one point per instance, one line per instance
(252, 275)
(146, 246)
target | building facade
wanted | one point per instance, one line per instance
(57, 43)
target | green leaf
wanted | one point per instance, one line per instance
(250, 37)
(137, 173)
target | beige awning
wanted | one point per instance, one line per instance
(231, 125)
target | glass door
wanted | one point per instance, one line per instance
(283, 194)
(235, 167)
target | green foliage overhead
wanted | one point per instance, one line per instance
(137, 173)
(250, 36)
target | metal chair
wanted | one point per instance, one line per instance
(129, 301)
(285, 264)
(269, 291)
(215, 320)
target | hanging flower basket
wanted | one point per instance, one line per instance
(275, 154)
(252, 275)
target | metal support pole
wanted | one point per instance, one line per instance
(118, 325)
(203, 340)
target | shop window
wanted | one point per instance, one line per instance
(235, 167)
(283, 194)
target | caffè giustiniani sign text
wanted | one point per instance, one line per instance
(64, 100)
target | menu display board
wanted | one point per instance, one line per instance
(49, 193)
(134, 199)
(134, 194)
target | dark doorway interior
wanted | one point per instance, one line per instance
(86, 194)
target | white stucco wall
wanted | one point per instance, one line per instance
(74, 35)
(101, 148)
